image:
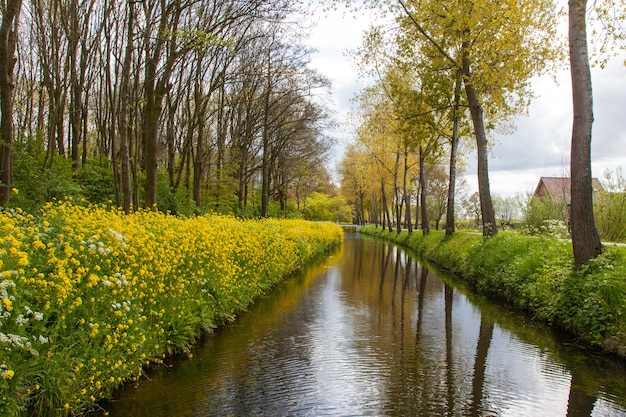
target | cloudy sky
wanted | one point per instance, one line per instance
(541, 143)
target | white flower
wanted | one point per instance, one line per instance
(120, 237)
(15, 340)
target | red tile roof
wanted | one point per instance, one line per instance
(559, 188)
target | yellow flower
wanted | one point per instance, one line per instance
(8, 305)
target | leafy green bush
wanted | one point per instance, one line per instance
(321, 206)
(96, 180)
(537, 211)
(37, 184)
(594, 298)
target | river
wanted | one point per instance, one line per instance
(371, 331)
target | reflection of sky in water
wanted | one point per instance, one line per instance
(348, 380)
(522, 382)
(360, 339)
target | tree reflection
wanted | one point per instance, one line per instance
(448, 296)
(420, 300)
(580, 403)
(480, 364)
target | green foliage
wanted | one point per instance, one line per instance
(610, 215)
(96, 180)
(177, 203)
(537, 211)
(610, 207)
(319, 206)
(594, 301)
(37, 185)
(451, 251)
(289, 212)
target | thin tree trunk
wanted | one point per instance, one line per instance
(425, 221)
(385, 207)
(371, 218)
(453, 156)
(265, 168)
(407, 196)
(418, 205)
(123, 112)
(585, 240)
(397, 205)
(8, 40)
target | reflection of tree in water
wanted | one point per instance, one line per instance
(480, 365)
(449, 295)
(580, 403)
(420, 301)
(383, 268)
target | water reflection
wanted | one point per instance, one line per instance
(373, 332)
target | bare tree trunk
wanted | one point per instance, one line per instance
(407, 196)
(265, 168)
(374, 216)
(123, 111)
(418, 205)
(476, 110)
(156, 85)
(396, 189)
(425, 221)
(453, 156)
(8, 40)
(585, 240)
(385, 207)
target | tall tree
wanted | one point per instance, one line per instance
(124, 111)
(8, 41)
(82, 33)
(497, 47)
(585, 239)
(51, 49)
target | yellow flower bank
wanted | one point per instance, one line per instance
(90, 296)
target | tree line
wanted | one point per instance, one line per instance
(161, 104)
(449, 73)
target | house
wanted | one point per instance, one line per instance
(558, 189)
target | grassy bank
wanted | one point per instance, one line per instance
(536, 274)
(89, 296)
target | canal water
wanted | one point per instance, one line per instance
(371, 331)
